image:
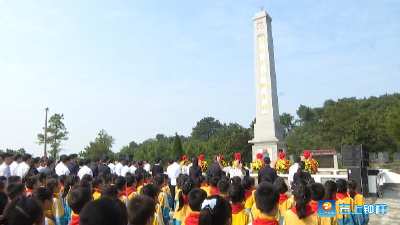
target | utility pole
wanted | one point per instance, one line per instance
(45, 134)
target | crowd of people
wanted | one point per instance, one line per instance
(101, 191)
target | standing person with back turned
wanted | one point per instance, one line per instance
(173, 172)
(195, 170)
(267, 172)
(103, 168)
(292, 170)
(73, 164)
(157, 168)
(215, 169)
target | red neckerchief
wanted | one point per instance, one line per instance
(214, 191)
(74, 220)
(248, 194)
(236, 208)
(121, 193)
(314, 206)
(283, 198)
(139, 184)
(192, 218)
(203, 185)
(309, 211)
(341, 195)
(61, 185)
(49, 217)
(185, 199)
(28, 192)
(224, 196)
(253, 189)
(334, 197)
(355, 193)
(148, 181)
(97, 190)
(129, 190)
(260, 221)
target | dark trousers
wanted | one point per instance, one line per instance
(172, 188)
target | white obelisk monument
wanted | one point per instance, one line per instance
(268, 133)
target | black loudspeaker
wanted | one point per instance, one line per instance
(355, 155)
(360, 176)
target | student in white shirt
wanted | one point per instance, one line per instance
(119, 166)
(62, 166)
(125, 169)
(17, 159)
(85, 169)
(23, 168)
(5, 166)
(293, 169)
(112, 166)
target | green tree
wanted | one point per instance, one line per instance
(56, 132)
(305, 114)
(100, 147)
(393, 125)
(287, 123)
(206, 128)
(177, 149)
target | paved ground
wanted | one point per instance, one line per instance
(391, 197)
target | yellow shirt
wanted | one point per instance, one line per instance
(346, 200)
(359, 200)
(48, 221)
(158, 219)
(291, 218)
(96, 194)
(241, 218)
(250, 202)
(57, 209)
(283, 207)
(255, 212)
(182, 214)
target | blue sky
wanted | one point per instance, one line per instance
(138, 68)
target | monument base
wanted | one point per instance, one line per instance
(271, 146)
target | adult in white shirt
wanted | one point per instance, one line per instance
(41, 166)
(14, 165)
(119, 166)
(62, 166)
(146, 166)
(293, 169)
(85, 169)
(5, 166)
(237, 170)
(112, 166)
(125, 169)
(132, 169)
(173, 172)
(23, 168)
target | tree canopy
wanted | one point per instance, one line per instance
(56, 132)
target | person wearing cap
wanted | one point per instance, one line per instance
(5, 166)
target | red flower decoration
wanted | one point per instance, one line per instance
(282, 155)
(307, 154)
(184, 158)
(259, 156)
(201, 157)
(238, 156)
